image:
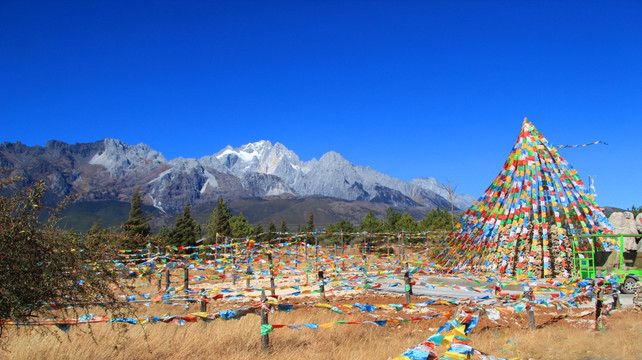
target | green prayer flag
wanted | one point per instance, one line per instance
(266, 329)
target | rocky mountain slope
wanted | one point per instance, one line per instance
(111, 170)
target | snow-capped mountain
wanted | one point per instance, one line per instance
(111, 169)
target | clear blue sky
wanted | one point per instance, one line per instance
(410, 88)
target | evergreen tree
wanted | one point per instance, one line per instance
(436, 219)
(240, 227)
(186, 230)
(136, 227)
(219, 222)
(164, 233)
(310, 223)
(406, 223)
(259, 232)
(345, 231)
(272, 227)
(391, 219)
(370, 223)
(271, 230)
(284, 227)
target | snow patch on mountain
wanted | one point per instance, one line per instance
(255, 169)
(211, 181)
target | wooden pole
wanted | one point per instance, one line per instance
(265, 339)
(233, 267)
(272, 289)
(399, 247)
(160, 281)
(167, 276)
(316, 251)
(204, 303)
(531, 314)
(321, 285)
(186, 280)
(407, 286)
(388, 245)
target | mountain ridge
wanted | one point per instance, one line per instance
(110, 169)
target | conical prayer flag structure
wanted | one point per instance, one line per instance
(522, 223)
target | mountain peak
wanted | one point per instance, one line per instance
(118, 157)
(333, 157)
(256, 169)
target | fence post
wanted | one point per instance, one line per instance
(316, 250)
(265, 339)
(531, 314)
(272, 289)
(204, 303)
(388, 245)
(407, 286)
(186, 280)
(321, 285)
(233, 268)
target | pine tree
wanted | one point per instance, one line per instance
(186, 230)
(436, 219)
(310, 223)
(219, 222)
(136, 228)
(271, 230)
(258, 232)
(370, 223)
(240, 227)
(391, 217)
(284, 227)
(406, 223)
(345, 230)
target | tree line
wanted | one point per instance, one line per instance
(222, 225)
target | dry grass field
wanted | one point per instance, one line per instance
(567, 335)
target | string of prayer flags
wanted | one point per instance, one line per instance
(381, 322)
(583, 145)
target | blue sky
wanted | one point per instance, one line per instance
(412, 89)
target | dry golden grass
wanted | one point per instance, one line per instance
(240, 339)
(568, 339)
(571, 338)
(234, 339)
